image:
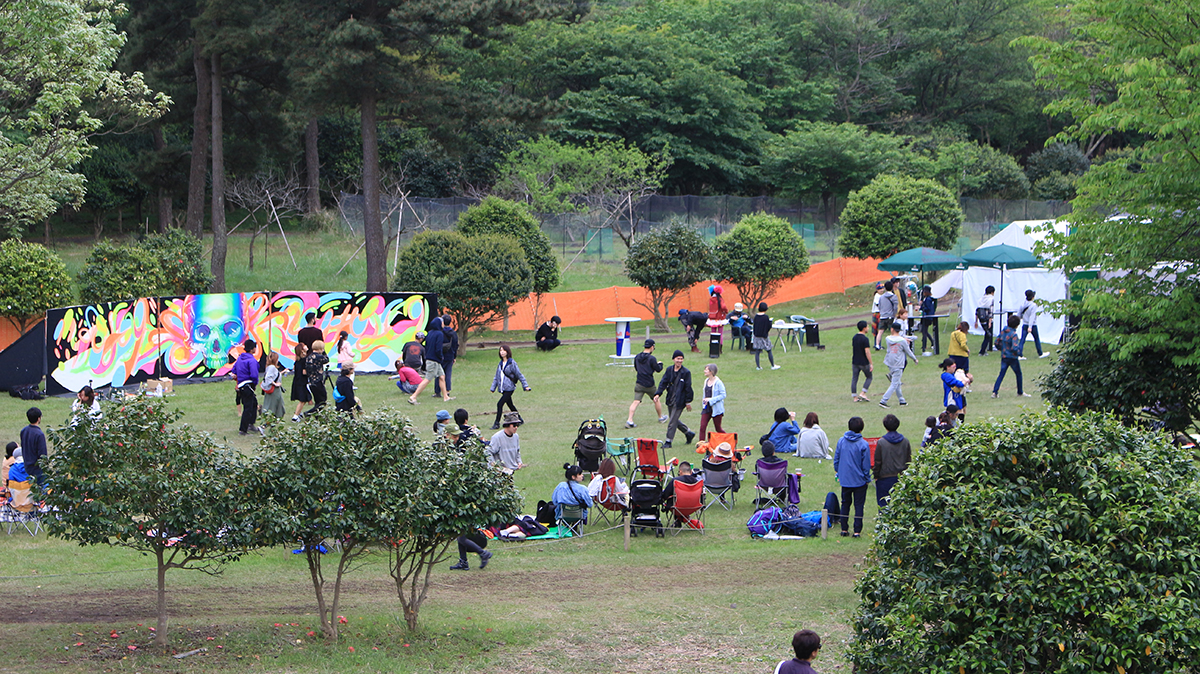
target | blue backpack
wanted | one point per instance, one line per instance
(764, 521)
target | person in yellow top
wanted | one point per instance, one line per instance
(960, 353)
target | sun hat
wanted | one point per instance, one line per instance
(724, 451)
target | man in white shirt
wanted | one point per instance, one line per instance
(1029, 314)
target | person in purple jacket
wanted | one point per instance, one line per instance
(852, 465)
(806, 644)
(245, 371)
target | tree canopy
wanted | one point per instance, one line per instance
(32, 280)
(758, 255)
(895, 213)
(506, 218)
(666, 262)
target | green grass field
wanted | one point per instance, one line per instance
(717, 602)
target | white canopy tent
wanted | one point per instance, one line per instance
(1050, 284)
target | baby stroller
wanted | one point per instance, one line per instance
(645, 498)
(591, 444)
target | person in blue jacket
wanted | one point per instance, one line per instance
(852, 465)
(571, 492)
(434, 357)
(784, 432)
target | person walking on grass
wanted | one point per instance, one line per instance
(245, 371)
(1029, 315)
(984, 319)
(433, 361)
(712, 405)
(889, 308)
(300, 392)
(645, 365)
(762, 337)
(852, 465)
(505, 380)
(899, 350)
(677, 382)
(1010, 356)
(860, 362)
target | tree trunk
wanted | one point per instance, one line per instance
(218, 180)
(46, 224)
(375, 244)
(160, 632)
(162, 200)
(200, 115)
(312, 168)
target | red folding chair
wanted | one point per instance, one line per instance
(688, 507)
(609, 502)
(652, 460)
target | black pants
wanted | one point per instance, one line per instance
(467, 544)
(319, 397)
(987, 335)
(859, 495)
(548, 344)
(249, 407)
(505, 399)
(926, 338)
(448, 366)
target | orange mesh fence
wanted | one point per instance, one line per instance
(8, 334)
(591, 307)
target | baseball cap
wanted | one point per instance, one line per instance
(648, 343)
(443, 415)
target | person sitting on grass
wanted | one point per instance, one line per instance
(463, 432)
(441, 424)
(806, 644)
(345, 390)
(783, 433)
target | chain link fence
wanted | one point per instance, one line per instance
(589, 236)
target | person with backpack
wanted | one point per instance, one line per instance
(433, 361)
(506, 378)
(852, 465)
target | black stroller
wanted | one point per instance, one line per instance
(645, 499)
(591, 444)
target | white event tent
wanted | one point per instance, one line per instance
(1050, 284)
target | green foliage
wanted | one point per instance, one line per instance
(116, 272)
(111, 182)
(312, 481)
(181, 258)
(476, 277)
(498, 216)
(758, 255)
(138, 479)
(1059, 158)
(32, 280)
(667, 262)
(602, 178)
(1055, 186)
(895, 213)
(1056, 543)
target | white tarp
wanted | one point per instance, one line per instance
(1049, 284)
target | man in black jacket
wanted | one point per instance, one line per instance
(645, 364)
(693, 323)
(677, 382)
(547, 334)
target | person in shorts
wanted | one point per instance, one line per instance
(646, 365)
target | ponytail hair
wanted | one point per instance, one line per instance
(571, 471)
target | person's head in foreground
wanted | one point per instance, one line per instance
(806, 644)
(856, 424)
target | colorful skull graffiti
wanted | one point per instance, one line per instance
(218, 324)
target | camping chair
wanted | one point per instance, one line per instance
(609, 503)
(714, 438)
(572, 519)
(718, 481)
(652, 459)
(772, 486)
(688, 502)
(621, 450)
(20, 509)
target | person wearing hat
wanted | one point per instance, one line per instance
(441, 426)
(677, 382)
(645, 365)
(716, 311)
(738, 327)
(505, 447)
(693, 322)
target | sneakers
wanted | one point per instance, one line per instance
(1045, 355)
(904, 403)
(926, 354)
(1024, 395)
(666, 444)
(775, 367)
(630, 424)
(758, 368)
(663, 419)
(461, 566)
(858, 535)
(1022, 358)
(483, 559)
(995, 395)
(295, 417)
(883, 404)
(845, 534)
(691, 435)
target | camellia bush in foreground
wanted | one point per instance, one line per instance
(1047, 543)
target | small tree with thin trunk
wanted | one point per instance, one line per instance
(667, 262)
(442, 494)
(32, 279)
(331, 479)
(137, 479)
(759, 254)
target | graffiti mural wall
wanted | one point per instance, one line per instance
(121, 343)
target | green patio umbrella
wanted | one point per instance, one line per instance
(1002, 257)
(922, 260)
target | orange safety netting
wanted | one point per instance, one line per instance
(591, 307)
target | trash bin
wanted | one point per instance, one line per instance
(812, 334)
(714, 345)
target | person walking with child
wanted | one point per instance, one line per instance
(899, 350)
(506, 378)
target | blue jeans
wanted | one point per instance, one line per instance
(883, 487)
(1025, 330)
(1006, 363)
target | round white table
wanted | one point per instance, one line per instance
(624, 355)
(786, 331)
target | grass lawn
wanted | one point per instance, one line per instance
(718, 602)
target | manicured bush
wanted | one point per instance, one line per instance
(895, 213)
(667, 262)
(181, 258)
(32, 280)
(499, 216)
(758, 255)
(116, 272)
(1047, 543)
